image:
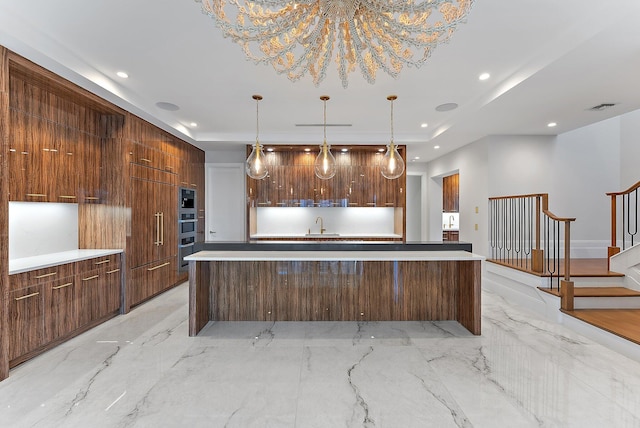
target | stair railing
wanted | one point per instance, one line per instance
(524, 234)
(627, 219)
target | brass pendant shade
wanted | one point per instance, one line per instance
(325, 163)
(255, 166)
(392, 165)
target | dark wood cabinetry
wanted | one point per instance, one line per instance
(450, 193)
(357, 183)
(51, 304)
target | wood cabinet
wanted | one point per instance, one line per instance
(55, 143)
(154, 234)
(450, 194)
(450, 235)
(357, 183)
(26, 320)
(55, 303)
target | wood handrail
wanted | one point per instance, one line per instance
(556, 218)
(624, 192)
(531, 195)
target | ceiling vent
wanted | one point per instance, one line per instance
(601, 107)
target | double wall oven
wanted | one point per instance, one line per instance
(187, 221)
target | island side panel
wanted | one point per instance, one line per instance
(469, 295)
(200, 301)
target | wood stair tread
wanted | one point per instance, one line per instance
(624, 323)
(597, 292)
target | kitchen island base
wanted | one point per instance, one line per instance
(333, 287)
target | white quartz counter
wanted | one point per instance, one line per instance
(38, 262)
(203, 256)
(328, 236)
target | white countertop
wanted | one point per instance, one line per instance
(332, 255)
(38, 262)
(327, 235)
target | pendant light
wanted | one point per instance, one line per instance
(325, 164)
(392, 165)
(255, 166)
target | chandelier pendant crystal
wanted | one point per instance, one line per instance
(392, 165)
(300, 36)
(255, 166)
(325, 163)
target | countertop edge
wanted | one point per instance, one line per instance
(27, 264)
(333, 256)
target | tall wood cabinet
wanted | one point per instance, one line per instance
(61, 143)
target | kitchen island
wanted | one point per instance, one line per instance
(361, 282)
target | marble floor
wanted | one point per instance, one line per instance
(142, 370)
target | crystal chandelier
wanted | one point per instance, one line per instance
(299, 36)
(392, 165)
(255, 166)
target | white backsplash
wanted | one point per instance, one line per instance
(351, 221)
(42, 228)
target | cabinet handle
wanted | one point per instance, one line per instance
(145, 160)
(113, 271)
(58, 287)
(91, 198)
(194, 185)
(90, 278)
(161, 228)
(67, 197)
(159, 266)
(157, 241)
(44, 275)
(27, 296)
(37, 195)
(101, 262)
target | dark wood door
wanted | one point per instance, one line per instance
(145, 223)
(61, 308)
(26, 320)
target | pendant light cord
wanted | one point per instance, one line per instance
(257, 122)
(325, 119)
(392, 121)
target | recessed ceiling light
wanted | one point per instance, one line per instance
(436, 147)
(167, 106)
(193, 124)
(122, 74)
(416, 158)
(344, 150)
(380, 150)
(447, 107)
(551, 124)
(307, 150)
(270, 149)
(424, 125)
(484, 76)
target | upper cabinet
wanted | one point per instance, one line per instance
(55, 141)
(450, 193)
(358, 182)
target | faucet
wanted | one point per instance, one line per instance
(451, 219)
(322, 229)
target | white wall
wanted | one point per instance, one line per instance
(471, 162)
(629, 149)
(414, 208)
(42, 228)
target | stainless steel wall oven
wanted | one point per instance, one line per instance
(187, 221)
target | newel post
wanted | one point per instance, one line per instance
(613, 249)
(537, 254)
(566, 285)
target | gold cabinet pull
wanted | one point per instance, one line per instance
(101, 262)
(67, 197)
(159, 266)
(27, 296)
(58, 287)
(162, 228)
(44, 275)
(113, 271)
(36, 195)
(157, 241)
(91, 198)
(145, 160)
(90, 278)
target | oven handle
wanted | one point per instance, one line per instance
(188, 221)
(187, 245)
